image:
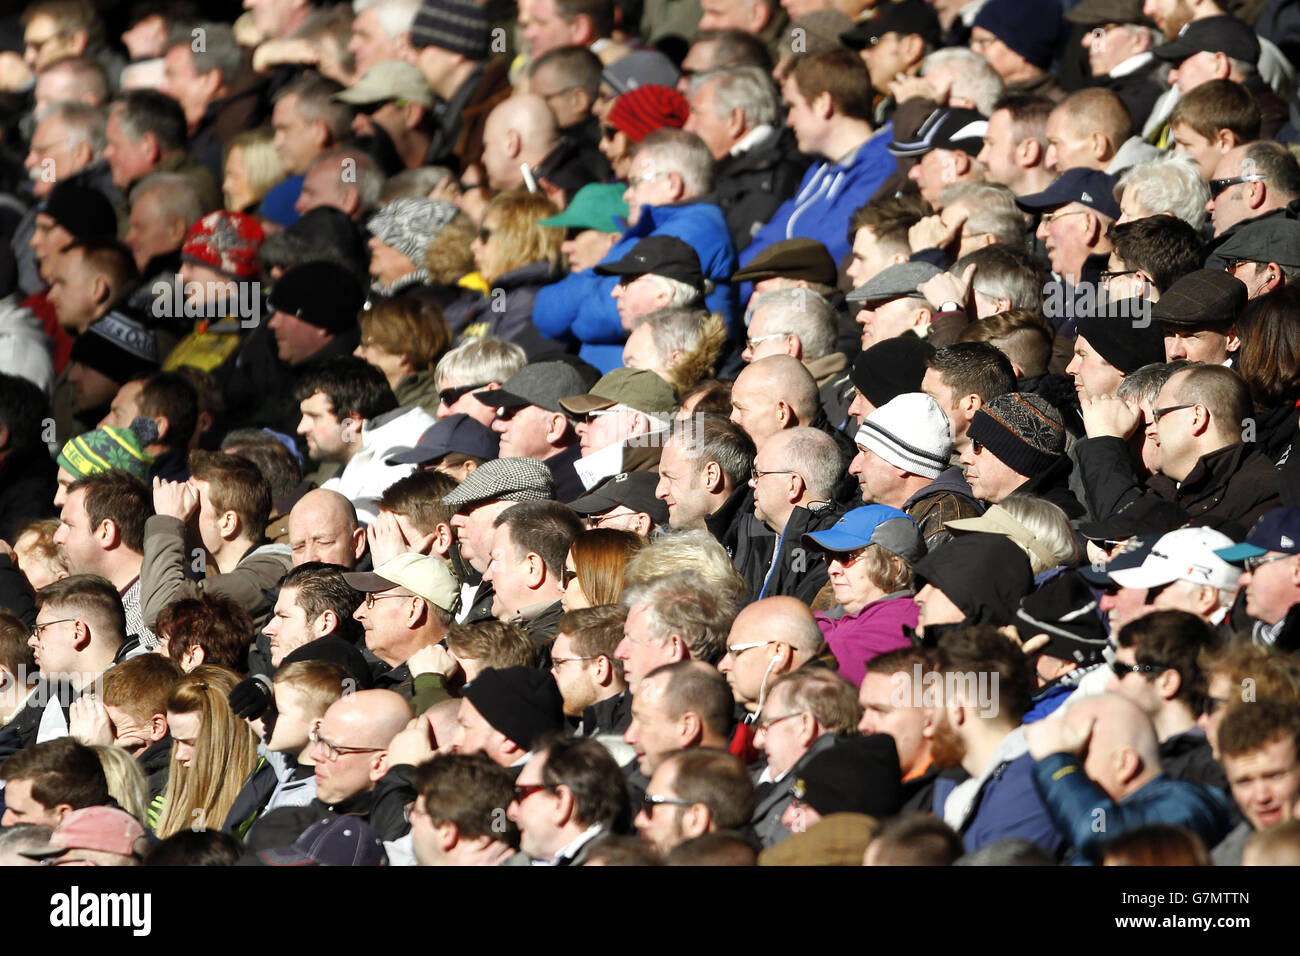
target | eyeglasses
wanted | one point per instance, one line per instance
(1217, 186)
(755, 474)
(750, 343)
(1123, 670)
(557, 661)
(334, 751)
(763, 726)
(450, 396)
(525, 790)
(485, 234)
(846, 559)
(1211, 704)
(635, 181)
(1159, 413)
(1098, 32)
(36, 631)
(652, 800)
(1252, 564)
(598, 521)
(736, 650)
(1108, 274)
(1053, 216)
(372, 597)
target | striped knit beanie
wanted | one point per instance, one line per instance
(910, 432)
(1022, 430)
(641, 111)
(458, 26)
(110, 447)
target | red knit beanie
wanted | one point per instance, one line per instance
(641, 111)
(225, 241)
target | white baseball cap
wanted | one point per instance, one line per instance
(1183, 555)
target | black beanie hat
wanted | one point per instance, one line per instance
(1065, 610)
(1022, 430)
(854, 775)
(521, 702)
(321, 294)
(336, 650)
(119, 346)
(86, 213)
(891, 368)
(1123, 342)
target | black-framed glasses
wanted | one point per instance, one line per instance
(764, 725)
(1159, 413)
(525, 790)
(755, 474)
(1122, 670)
(1252, 564)
(557, 661)
(450, 396)
(372, 597)
(36, 631)
(1217, 186)
(652, 800)
(334, 751)
(1108, 274)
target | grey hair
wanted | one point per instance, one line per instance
(1145, 383)
(746, 88)
(680, 294)
(992, 209)
(684, 604)
(412, 183)
(800, 312)
(316, 102)
(369, 178)
(816, 458)
(395, 16)
(479, 360)
(177, 194)
(1168, 185)
(673, 329)
(677, 151)
(1049, 525)
(974, 78)
(84, 123)
(219, 50)
(696, 551)
(1001, 273)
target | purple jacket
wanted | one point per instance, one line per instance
(875, 630)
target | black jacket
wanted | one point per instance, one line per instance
(1053, 485)
(27, 486)
(1139, 90)
(725, 523)
(773, 565)
(574, 163)
(506, 312)
(1187, 756)
(609, 716)
(568, 486)
(156, 762)
(752, 185)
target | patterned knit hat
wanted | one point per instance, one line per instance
(119, 346)
(911, 432)
(458, 26)
(505, 479)
(641, 111)
(1022, 430)
(107, 448)
(411, 225)
(225, 241)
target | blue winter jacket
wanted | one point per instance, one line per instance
(828, 197)
(580, 307)
(1084, 811)
(1008, 805)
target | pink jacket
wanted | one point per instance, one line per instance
(875, 630)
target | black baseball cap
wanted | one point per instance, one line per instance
(455, 433)
(632, 489)
(665, 256)
(945, 128)
(1090, 187)
(907, 17)
(1226, 35)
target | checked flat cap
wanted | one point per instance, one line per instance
(1203, 297)
(505, 479)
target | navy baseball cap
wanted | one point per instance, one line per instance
(455, 433)
(1277, 530)
(1135, 553)
(1091, 187)
(893, 530)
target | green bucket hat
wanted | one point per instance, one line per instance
(594, 206)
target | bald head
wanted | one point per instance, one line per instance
(1091, 112)
(519, 130)
(1123, 753)
(373, 717)
(784, 619)
(363, 724)
(323, 527)
(772, 394)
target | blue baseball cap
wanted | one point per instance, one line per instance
(1091, 187)
(1277, 530)
(455, 433)
(1135, 553)
(893, 530)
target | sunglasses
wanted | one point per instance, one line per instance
(1219, 185)
(450, 396)
(1123, 670)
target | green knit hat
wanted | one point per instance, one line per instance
(105, 449)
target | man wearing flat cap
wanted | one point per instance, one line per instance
(1265, 255)
(1119, 41)
(1198, 314)
(890, 304)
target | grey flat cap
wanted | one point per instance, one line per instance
(1275, 239)
(896, 282)
(540, 383)
(505, 479)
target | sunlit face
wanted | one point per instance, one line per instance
(1067, 232)
(1272, 588)
(1197, 69)
(854, 589)
(288, 627)
(54, 155)
(640, 352)
(587, 248)
(1237, 202)
(998, 154)
(1067, 145)
(935, 607)
(1211, 345)
(1093, 375)
(1122, 605)
(990, 478)
(808, 123)
(660, 824)
(184, 729)
(717, 131)
(77, 540)
(890, 319)
(637, 297)
(320, 426)
(1265, 782)
(639, 650)
(782, 733)
(295, 139)
(868, 259)
(681, 489)
(370, 43)
(294, 720)
(523, 432)
(887, 708)
(574, 676)
(753, 408)
(474, 530)
(1203, 153)
(22, 807)
(655, 731)
(473, 734)
(935, 170)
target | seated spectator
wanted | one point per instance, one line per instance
(479, 645)
(593, 569)
(171, 402)
(229, 501)
(620, 423)
(1189, 574)
(914, 840)
(36, 555)
(251, 167)
(944, 148)
(885, 371)
(212, 751)
(452, 447)
(1091, 128)
(782, 625)
(346, 178)
(569, 793)
(892, 305)
(870, 553)
(504, 714)
(1275, 675)
(529, 547)
(95, 836)
(209, 629)
(454, 821)
(588, 674)
(18, 668)
(1020, 43)
(963, 378)
(126, 781)
(1108, 348)
(323, 527)
(474, 366)
(1198, 316)
(624, 502)
(679, 344)
(706, 790)
(1017, 443)
(948, 593)
(1039, 527)
(47, 782)
(679, 705)
(401, 237)
(859, 776)
(1257, 748)
(659, 272)
(1169, 186)
(591, 223)
(1261, 254)
(672, 618)
(1243, 200)
(404, 338)
(1155, 252)
(1120, 777)
(134, 705)
(412, 508)
(887, 699)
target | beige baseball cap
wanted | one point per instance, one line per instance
(420, 574)
(390, 80)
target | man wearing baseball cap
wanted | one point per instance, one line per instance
(489, 490)
(945, 147)
(620, 423)
(532, 423)
(892, 44)
(624, 502)
(1187, 574)
(659, 271)
(1271, 577)
(94, 836)
(456, 434)
(409, 603)
(1074, 213)
(394, 101)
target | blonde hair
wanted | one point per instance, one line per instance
(262, 165)
(448, 256)
(127, 783)
(1050, 527)
(40, 551)
(522, 240)
(408, 326)
(201, 795)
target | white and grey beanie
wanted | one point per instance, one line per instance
(910, 432)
